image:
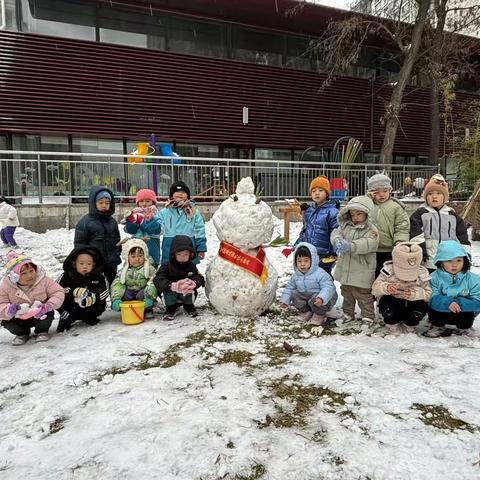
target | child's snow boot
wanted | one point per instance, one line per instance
(409, 328)
(20, 340)
(435, 332)
(305, 316)
(394, 329)
(317, 319)
(190, 310)
(171, 312)
(65, 323)
(42, 337)
(91, 321)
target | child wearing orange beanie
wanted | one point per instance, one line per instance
(319, 221)
(143, 222)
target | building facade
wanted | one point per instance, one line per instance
(100, 76)
(406, 11)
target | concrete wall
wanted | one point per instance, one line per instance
(40, 218)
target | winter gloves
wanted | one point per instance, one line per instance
(116, 305)
(186, 286)
(83, 297)
(342, 246)
(148, 302)
(37, 310)
(43, 309)
(136, 217)
(12, 310)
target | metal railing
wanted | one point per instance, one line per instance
(42, 176)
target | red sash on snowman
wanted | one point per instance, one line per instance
(254, 265)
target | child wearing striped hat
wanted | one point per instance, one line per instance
(27, 299)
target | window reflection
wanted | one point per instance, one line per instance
(89, 171)
(59, 18)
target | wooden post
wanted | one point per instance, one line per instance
(287, 211)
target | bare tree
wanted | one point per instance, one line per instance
(340, 46)
(447, 57)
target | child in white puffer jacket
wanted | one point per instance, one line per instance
(9, 222)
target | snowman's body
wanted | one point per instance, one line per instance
(245, 224)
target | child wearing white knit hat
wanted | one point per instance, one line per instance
(389, 217)
(402, 289)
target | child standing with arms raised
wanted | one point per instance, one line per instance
(389, 216)
(99, 229)
(143, 222)
(319, 221)
(181, 217)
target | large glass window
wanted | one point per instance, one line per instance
(273, 179)
(54, 175)
(60, 18)
(204, 178)
(198, 38)
(93, 170)
(6, 180)
(257, 47)
(11, 15)
(298, 53)
(127, 27)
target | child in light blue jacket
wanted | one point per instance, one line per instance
(181, 217)
(455, 291)
(310, 289)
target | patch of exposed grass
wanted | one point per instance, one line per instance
(230, 444)
(302, 399)
(240, 357)
(439, 417)
(57, 425)
(256, 472)
(278, 355)
(148, 360)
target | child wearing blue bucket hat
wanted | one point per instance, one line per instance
(455, 291)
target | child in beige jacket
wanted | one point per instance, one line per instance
(403, 289)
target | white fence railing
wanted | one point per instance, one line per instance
(48, 174)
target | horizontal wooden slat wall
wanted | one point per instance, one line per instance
(55, 85)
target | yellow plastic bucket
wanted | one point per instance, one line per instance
(132, 312)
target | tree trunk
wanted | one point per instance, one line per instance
(393, 108)
(435, 125)
(436, 72)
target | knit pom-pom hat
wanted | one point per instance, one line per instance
(15, 262)
(145, 194)
(439, 184)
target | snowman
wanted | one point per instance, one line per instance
(240, 279)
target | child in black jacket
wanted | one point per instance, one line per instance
(85, 287)
(179, 279)
(99, 229)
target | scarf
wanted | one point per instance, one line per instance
(186, 205)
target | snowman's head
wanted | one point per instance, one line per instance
(242, 219)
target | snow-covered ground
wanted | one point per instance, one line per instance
(220, 397)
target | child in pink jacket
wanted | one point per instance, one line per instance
(27, 299)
